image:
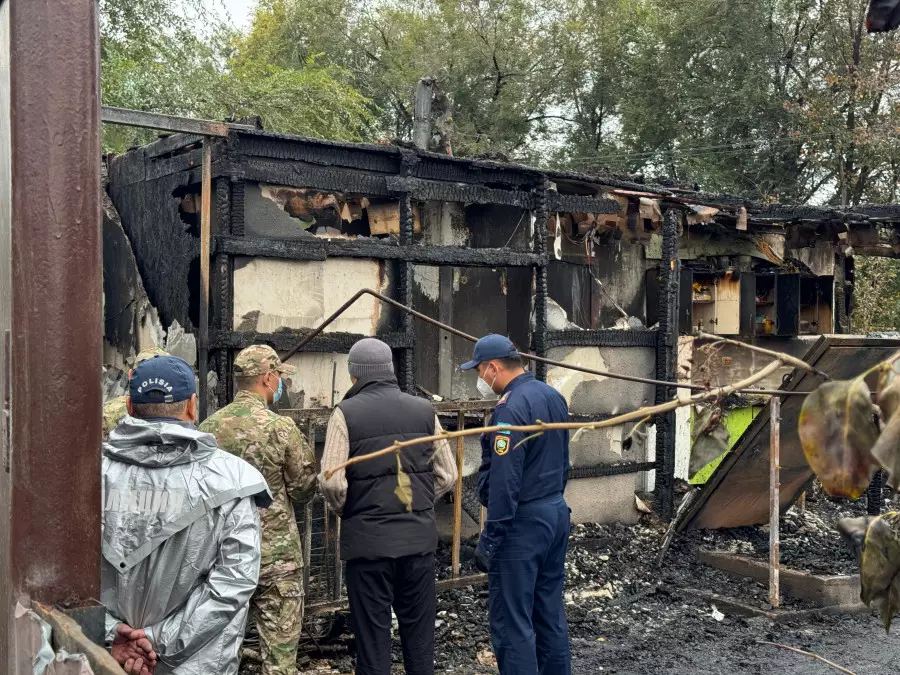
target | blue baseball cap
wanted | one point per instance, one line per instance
(162, 379)
(490, 347)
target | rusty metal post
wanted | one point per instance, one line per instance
(50, 494)
(774, 498)
(203, 337)
(457, 495)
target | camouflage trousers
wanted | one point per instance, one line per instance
(278, 610)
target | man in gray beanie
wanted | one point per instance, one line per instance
(387, 539)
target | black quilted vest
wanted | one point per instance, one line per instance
(376, 523)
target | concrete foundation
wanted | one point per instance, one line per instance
(821, 590)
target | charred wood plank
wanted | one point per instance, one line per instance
(580, 204)
(338, 343)
(428, 190)
(292, 174)
(309, 249)
(602, 338)
(384, 159)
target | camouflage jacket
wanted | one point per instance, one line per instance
(113, 411)
(273, 444)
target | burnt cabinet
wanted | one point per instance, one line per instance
(719, 303)
(777, 307)
(740, 303)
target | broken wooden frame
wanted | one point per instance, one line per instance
(207, 129)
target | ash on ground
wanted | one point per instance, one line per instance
(628, 616)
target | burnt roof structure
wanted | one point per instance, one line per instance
(484, 245)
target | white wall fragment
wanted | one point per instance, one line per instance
(271, 295)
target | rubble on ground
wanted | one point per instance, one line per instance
(628, 616)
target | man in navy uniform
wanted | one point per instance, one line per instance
(526, 534)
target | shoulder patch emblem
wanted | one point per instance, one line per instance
(503, 399)
(501, 445)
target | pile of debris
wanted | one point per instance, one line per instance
(809, 540)
(625, 613)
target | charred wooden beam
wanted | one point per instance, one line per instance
(385, 159)
(541, 293)
(148, 120)
(321, 249)
(667, 335)
(351, 181)
(579, 204)
(405, 288)
(430, 190)
(602, 338)
(282, 341)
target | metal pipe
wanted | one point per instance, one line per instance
(525, 355)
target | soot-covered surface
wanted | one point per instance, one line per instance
(628, 617)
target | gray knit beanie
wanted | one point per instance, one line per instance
(370, 356)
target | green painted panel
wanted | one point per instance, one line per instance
(736, 421)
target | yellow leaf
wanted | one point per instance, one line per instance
(837, 431)
(404, 487)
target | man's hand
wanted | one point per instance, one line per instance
(132, 650)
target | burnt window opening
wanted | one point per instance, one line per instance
(188, 209)
(193, 281)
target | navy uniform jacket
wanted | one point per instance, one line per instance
(539, 467)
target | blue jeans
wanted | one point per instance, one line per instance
(528, 618)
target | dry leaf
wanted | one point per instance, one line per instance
(879, 561)
(887, 448)
(404, 487)
(837, 432)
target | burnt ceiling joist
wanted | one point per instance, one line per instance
(602, 338)
(285, 340)
(322, 249)
(389, 159)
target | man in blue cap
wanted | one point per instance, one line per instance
(526, 534)
(181, 533)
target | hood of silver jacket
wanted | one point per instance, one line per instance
(169, 494)
(158, 443)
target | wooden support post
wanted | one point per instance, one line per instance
(203, 337)
(774, 499)
(457, 495)
(801, 503)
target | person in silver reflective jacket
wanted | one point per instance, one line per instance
(181, 533)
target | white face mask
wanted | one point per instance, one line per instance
(486, 390)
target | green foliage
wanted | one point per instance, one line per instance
(775, 99)
(876, 295)
(153, 58)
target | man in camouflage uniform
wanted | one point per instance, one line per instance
(114, 409)
(273, 444)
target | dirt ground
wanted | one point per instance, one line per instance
(630, 617)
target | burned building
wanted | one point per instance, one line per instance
(604, 272)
